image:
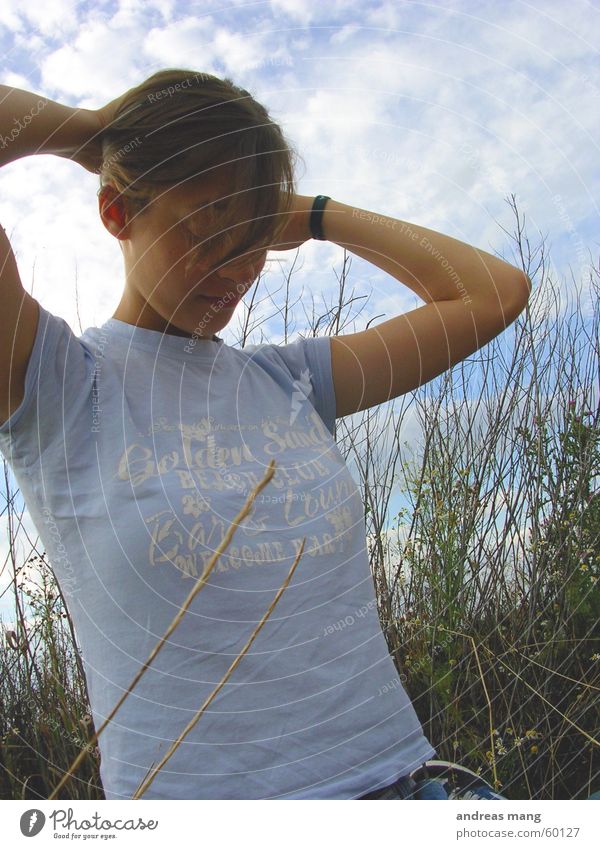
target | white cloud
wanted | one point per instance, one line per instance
(135, 8)
(50, 18)
(422, 112)
(432, 125)
(57, 237)
(343, 34)
(181, 43)
(53, 17)
(308, 12)
(11, 15)
(100, 63)
(238, 51)
(16, 80)
(299, 10)
(200, 44)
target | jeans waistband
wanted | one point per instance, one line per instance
(402, 788)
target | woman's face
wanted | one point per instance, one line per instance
(175, 283)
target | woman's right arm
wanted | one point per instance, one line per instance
(31, 124)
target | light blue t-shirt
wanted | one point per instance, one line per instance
(134, 450)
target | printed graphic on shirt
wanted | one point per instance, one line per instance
(209, 476)
(302, 390)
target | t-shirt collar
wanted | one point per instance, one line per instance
(161, 343)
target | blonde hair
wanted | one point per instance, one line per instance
(180, 125)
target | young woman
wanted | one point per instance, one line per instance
(136, 444)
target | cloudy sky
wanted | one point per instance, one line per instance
(429, 112)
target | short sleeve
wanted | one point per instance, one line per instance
(308, 361)
(57, 390)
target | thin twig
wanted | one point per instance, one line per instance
(553, 671)
(148, 781)
(177, 619)
(487, 698)
(559, 712)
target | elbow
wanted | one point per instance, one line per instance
(517, 295)
(527, 286)
(524, 287)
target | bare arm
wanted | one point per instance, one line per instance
(435, 266)
(470, 295)
(32, 124)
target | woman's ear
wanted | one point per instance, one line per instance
(113, 211)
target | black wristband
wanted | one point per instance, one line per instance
(316, 217)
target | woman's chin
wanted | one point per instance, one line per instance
(199, 320)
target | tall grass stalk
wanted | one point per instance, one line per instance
(488, 576)
(147, 781)
(482, 508)
(200, 583)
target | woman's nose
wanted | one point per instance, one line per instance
(243, 272)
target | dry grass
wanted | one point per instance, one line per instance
(483, 535)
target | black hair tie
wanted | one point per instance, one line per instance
(316, 217)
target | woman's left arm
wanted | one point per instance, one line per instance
(470, 297)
